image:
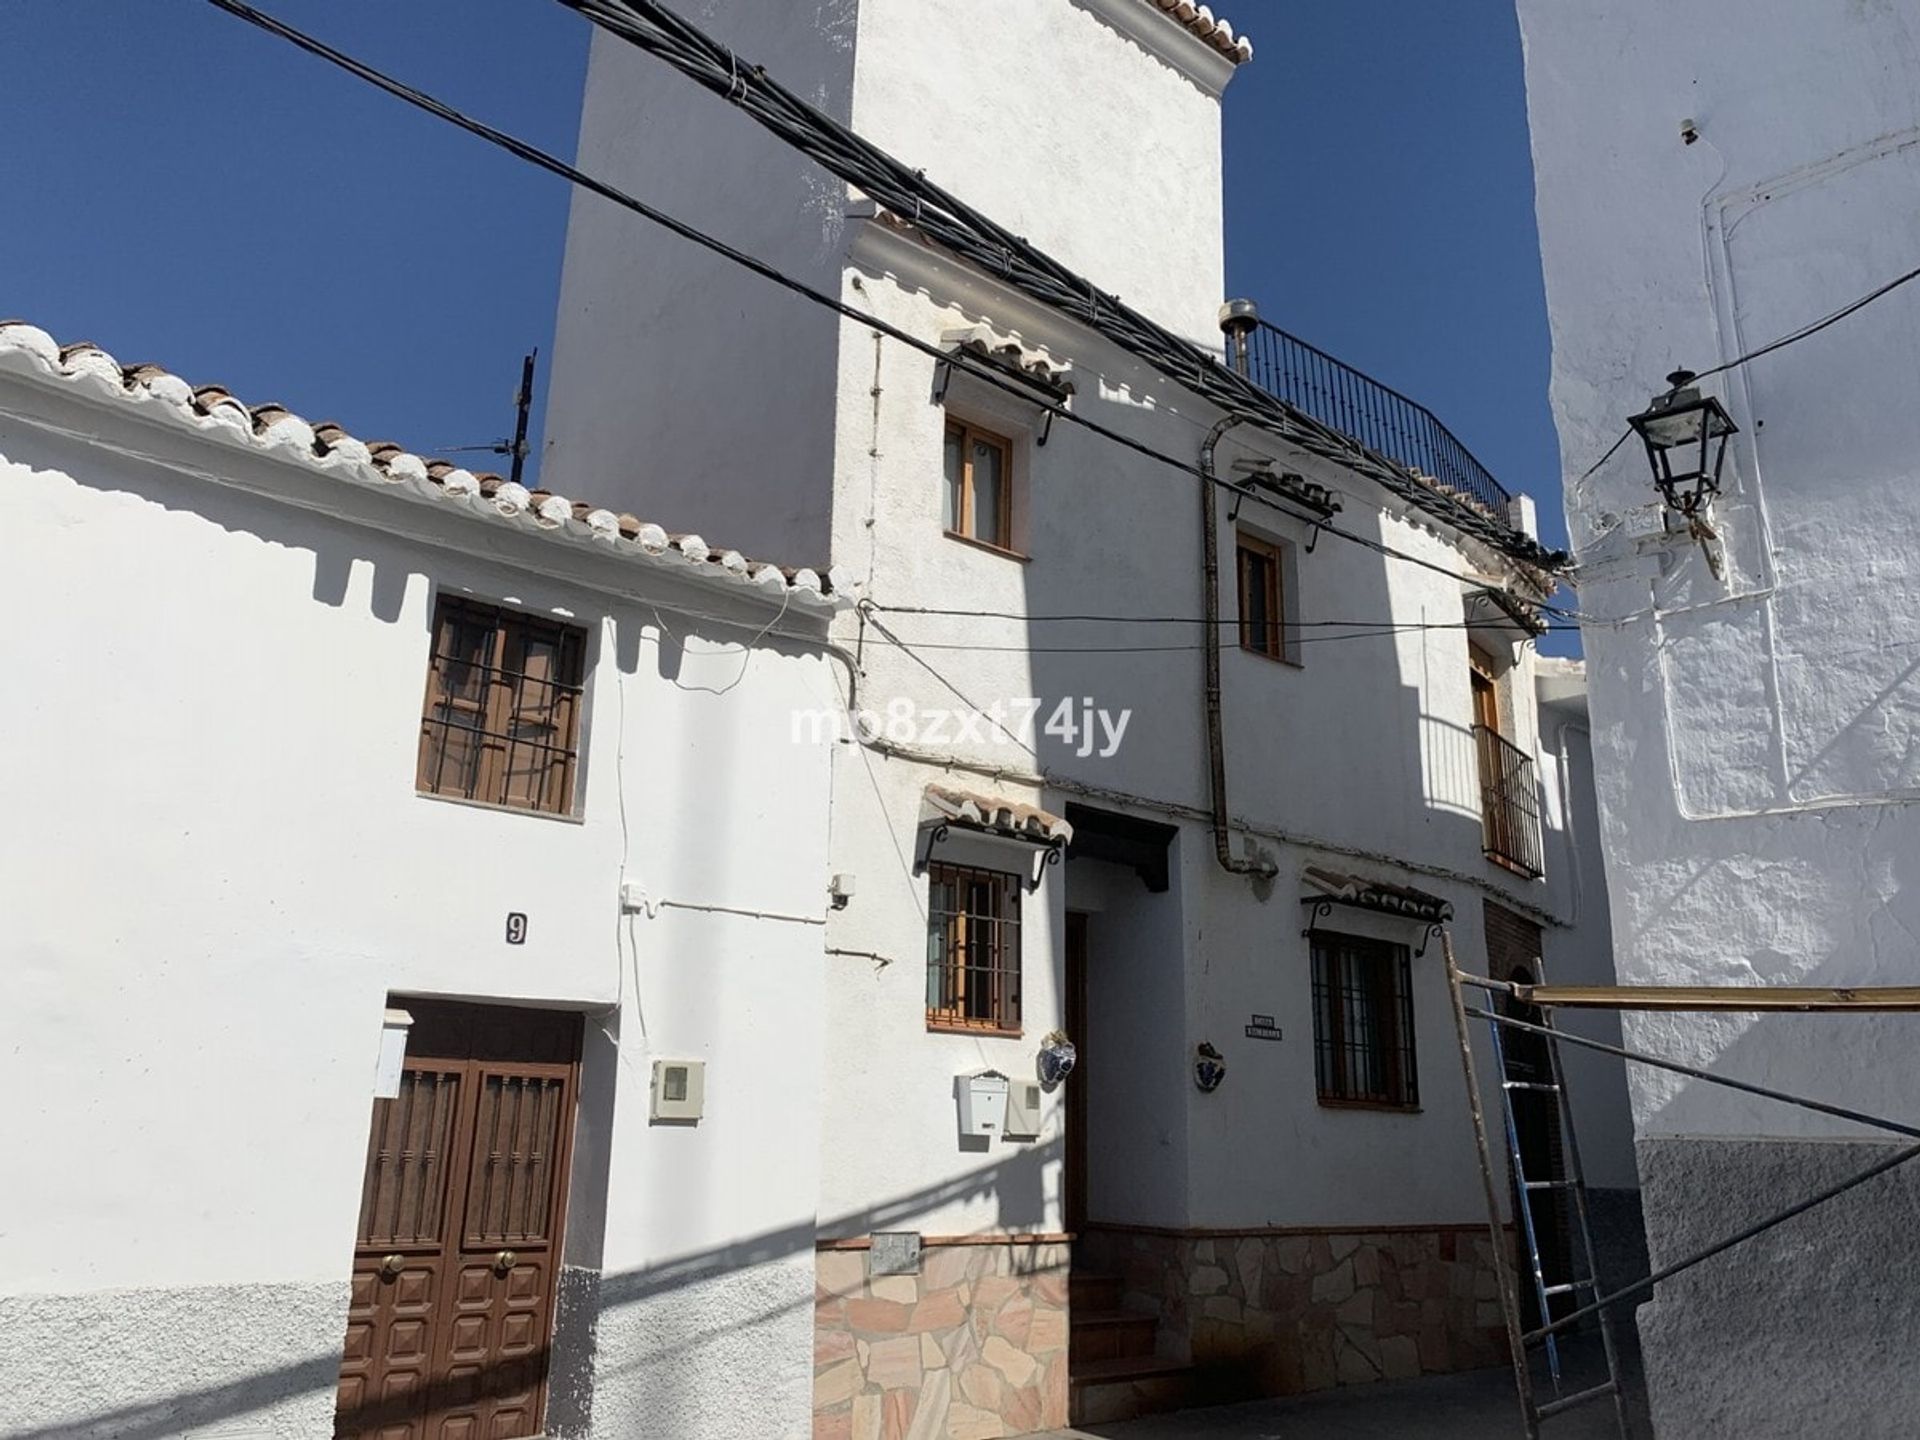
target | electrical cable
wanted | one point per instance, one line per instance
(982, 370)
(1791, 338)
(908, 194)
(1587, 474)
(935, 610)
(945, 683)
(1383, 632)
(1806, 331)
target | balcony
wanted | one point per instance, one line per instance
(1509, 804)
(1361, 408)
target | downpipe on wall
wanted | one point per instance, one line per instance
(1260, 869)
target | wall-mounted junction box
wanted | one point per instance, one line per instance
(679, 1089)
(1023, 1110)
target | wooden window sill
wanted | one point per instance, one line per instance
(569, 818)
(960, 1027)
(987, 545)
(1287, 660)
(1512, 867)
(1328, 1102)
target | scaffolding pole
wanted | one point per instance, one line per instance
(1671, 998)
(1502, 1268)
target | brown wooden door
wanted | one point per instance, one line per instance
(1076, 1176)
(457, 1252)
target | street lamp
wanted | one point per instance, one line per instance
(1686, 440)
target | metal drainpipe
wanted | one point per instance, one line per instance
(1210, 609)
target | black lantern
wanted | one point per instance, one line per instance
(1686, 440)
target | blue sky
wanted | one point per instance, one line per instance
(179, 187)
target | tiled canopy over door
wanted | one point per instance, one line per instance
(457, 1252)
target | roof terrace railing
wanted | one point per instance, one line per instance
(1360, 407)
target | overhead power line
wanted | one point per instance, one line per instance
(1108, 618)
(1815, 327)
(961, 359)
(1793, 337)
(1378, 632)
(975, 237)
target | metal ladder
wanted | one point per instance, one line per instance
(1526, 1189)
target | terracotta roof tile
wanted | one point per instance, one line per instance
(1382, 895)
(975, 811)
(1213, 29)
(330, 449)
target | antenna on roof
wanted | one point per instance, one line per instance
(516, 448)
(523, 403)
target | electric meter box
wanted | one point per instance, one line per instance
(679, 1090)
(1023, 1110)
(983, 1103)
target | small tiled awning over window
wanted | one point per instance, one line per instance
(1380, 895)
(994, 815)
(1024, 362)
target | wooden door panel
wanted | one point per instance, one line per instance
(517, 1138)
(455, 1261)
(387, 1364)
(410, 1148)
(496, 1356)
(1074, 1212)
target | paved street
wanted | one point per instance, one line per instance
(1477, 1405)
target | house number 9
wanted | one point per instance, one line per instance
(516, 928)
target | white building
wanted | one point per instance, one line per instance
(1317, 1216)
(1712, 178)
(244, 860)
(1577, 893)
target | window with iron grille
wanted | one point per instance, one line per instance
(973, 949)
(502, 718)
(1363, 1022)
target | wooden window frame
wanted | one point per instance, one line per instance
(1273, 644)
(970, 435)
(1481, 668)
(501, 714)
(1387, 983)
(951, 945)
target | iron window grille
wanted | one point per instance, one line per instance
(1509, 796)
(501, 723)
(1509, 805)
(973, 949)
(1363, 1022)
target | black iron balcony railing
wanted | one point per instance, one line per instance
(1360, 407)
(1509, 804)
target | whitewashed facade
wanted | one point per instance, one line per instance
(1710, 179)
(1274, 1242)
(218, 881)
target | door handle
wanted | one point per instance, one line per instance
(504, 1261)
(391, 1267)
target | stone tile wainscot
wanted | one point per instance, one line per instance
(973, 1347)
(1282, 1312)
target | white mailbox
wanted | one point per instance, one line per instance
(983, 1103)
